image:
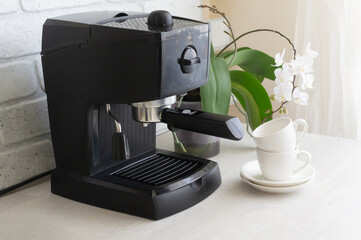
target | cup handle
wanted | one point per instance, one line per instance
(302, 122)
(307, 162)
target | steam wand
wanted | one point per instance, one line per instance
(120, 145)
(118, 126)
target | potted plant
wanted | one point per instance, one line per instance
(246, 85)
(193, 143)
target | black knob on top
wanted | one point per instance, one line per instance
(160, 20)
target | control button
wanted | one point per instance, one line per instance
(189, 59)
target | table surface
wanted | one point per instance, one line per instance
(329, 208)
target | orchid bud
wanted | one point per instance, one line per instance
(272, 97)
(285, 111)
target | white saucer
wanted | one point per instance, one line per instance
(251, 172)
(277, 189)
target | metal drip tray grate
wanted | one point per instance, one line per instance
(158, 170)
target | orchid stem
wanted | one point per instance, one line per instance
(214, 10)
(260, 30)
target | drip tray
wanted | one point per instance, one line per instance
(153, 186)
(158, 170)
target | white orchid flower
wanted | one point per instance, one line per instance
(309, 52)
(307, 81)
(301, 65)
(300, 97)
(283, 74)
(283, 92)
(279, 58)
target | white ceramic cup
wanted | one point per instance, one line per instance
(280, 166)
(279, 135)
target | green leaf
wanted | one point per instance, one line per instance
(212, 51)
(216, 93)
(260, 78)
(254, 62)
(252, 96)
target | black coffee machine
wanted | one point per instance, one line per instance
(109, 77)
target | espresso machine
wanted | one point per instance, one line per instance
(109, 77)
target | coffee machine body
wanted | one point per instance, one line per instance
(97, 61)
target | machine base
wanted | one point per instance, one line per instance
(138, 197)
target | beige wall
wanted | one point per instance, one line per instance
(246, 15)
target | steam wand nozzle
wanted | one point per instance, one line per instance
(120, 145)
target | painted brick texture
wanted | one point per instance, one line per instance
(15, 167)
(25, 120)
(17, 79)
(43, 5)
(8, 6)
(25, 145)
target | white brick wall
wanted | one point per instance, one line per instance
(43, 5)
(25, 146)
(17, 165)
(187, 9)
(17, 80)
(8, 6)
(24, 120)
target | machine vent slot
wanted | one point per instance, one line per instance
(158, 170)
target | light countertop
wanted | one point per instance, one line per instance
(329, 208)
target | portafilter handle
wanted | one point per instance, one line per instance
(203, 122)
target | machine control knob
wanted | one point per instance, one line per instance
(189, 59)
(160, 20)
